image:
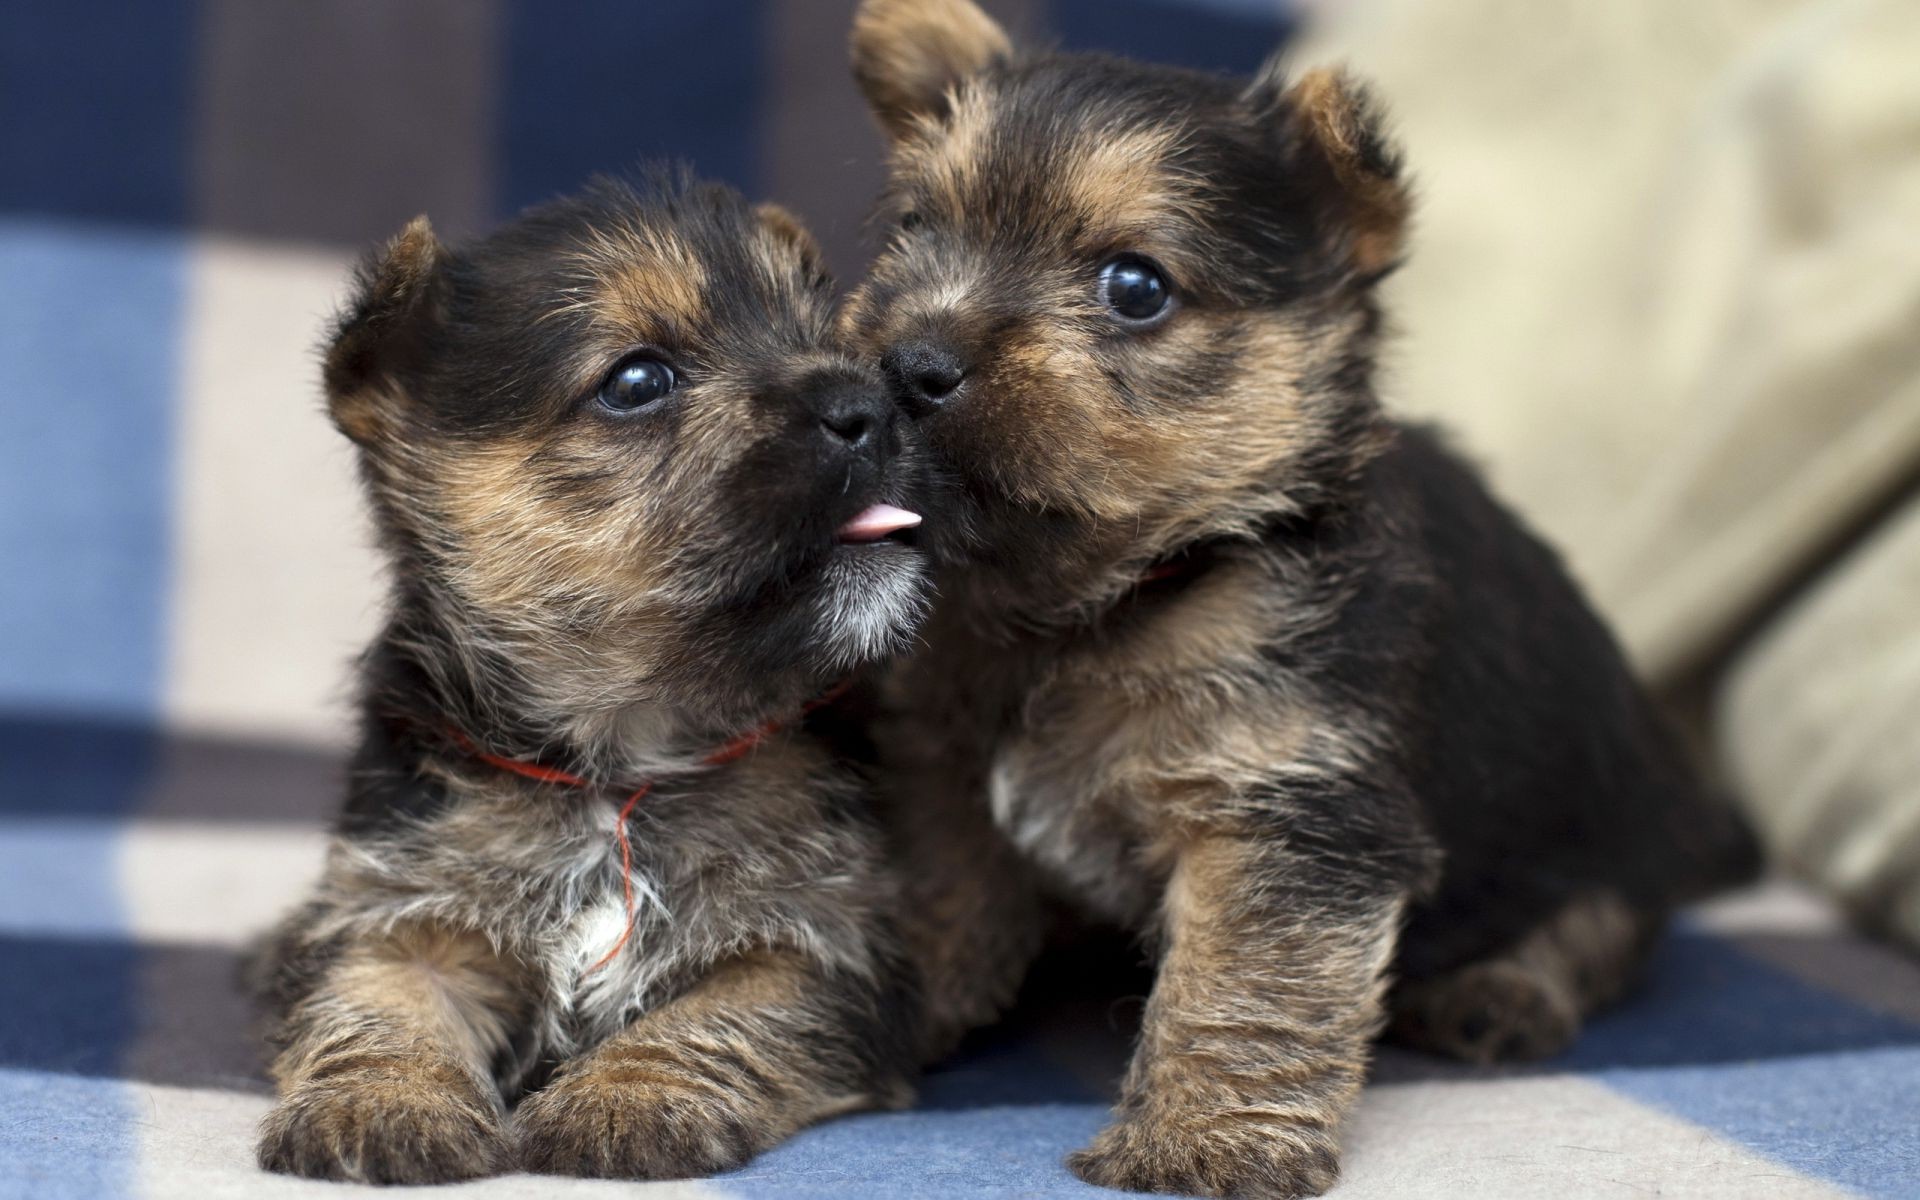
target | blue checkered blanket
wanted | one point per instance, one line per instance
(1769, 1054)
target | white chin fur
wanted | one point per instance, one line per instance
(873, 601)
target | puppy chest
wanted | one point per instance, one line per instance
(1075, 821)
(588, 906)
(604, 966)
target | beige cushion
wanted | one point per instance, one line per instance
(1820, 721)
(1666, 276)
(1666, 284)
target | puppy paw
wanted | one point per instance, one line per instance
(1211, 1154)
(389, 1124)
(1488, 1012)
(618, 1122)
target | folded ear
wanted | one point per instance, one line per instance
(1331, 118)
(390, 310)
(789, 229)
(908, 53)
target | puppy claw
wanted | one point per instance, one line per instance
(1210, 1155)
(382, 1130)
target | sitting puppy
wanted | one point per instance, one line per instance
(637, 511)
(1228, 656)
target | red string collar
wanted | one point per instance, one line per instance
(731, 751)
(1182, 565)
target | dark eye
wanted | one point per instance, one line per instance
(1134, 288)
(636, 383)
(910, 221)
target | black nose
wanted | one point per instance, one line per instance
(854, 413)
(924, 374)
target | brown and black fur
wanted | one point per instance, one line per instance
(1223, 653)
(613, 594)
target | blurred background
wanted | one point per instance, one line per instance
(1665, 285)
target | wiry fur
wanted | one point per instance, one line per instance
(616, 595)
(1230, 657)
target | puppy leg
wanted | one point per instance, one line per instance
(1256, 1036)
(385, 1077)
(1528, 1001)
(972, 915)
(765, 1045)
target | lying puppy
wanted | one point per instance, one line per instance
(1230, 657)
(638, 512)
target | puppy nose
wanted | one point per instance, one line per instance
(850, 424)
(924, 374)
(854, 414)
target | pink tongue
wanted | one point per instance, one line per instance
(872, 524)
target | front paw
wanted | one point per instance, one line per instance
(1241, 1154)
(386, 1125)
(624, 1122)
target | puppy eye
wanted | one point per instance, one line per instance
(910, 221)
(1134, 289)
(636, 383)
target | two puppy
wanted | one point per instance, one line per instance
(1221, 654)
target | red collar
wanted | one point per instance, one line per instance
(1181, 565)
(730, 751)
(1161, 571)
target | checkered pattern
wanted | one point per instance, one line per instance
(183, 573)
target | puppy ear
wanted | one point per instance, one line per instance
(789, 229)
(907, 54)
(391, 306)
(1332, 119)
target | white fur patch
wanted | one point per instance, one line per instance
(869, 608)
(602, 999)
(1093, 858)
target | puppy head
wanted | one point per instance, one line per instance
(614, 449)
(1130, 305)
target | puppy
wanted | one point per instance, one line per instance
(637, 511)
(1224, 654)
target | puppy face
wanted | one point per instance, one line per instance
(1130, 305)
(614, 444)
